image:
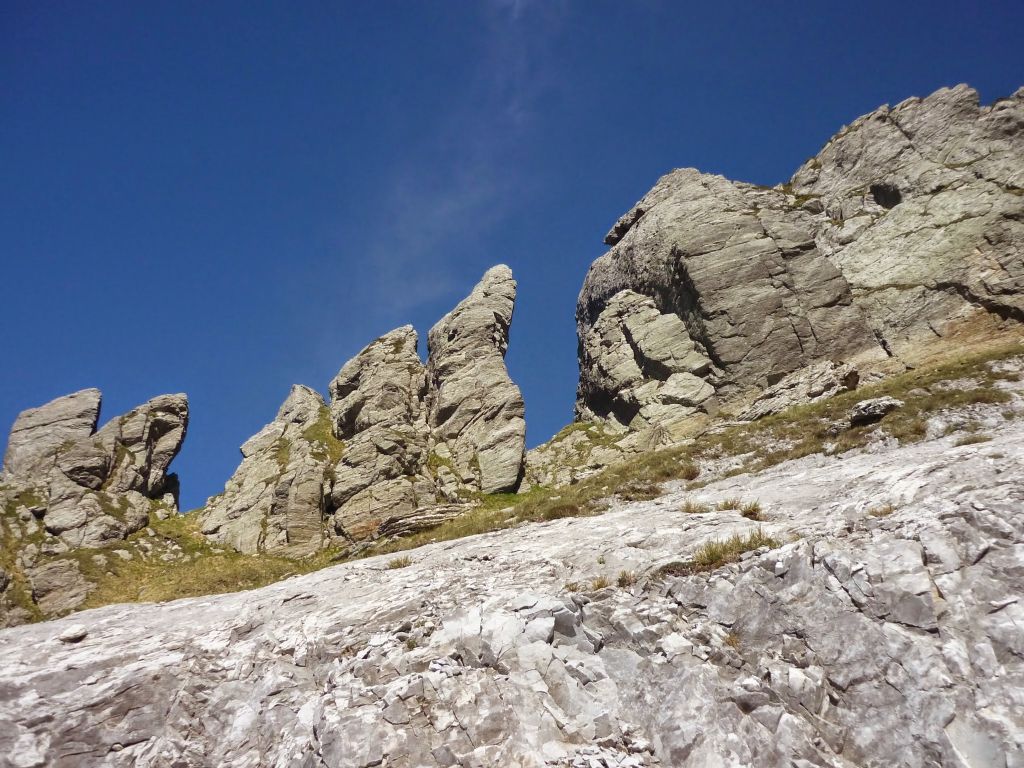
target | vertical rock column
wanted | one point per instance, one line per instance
(475, 411)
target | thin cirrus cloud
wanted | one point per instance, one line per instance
(465, 178)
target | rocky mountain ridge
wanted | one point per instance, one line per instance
(908, 221)
(66, 486)
(717, 300)
(397, 436)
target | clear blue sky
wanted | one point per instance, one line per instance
(225, 198)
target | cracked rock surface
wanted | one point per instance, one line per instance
(908, 223)
(274, 502)
(475, 410)
(884, 629)
(397, 440)
(66, 486)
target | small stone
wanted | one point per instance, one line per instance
(76, 633)
(870, 411)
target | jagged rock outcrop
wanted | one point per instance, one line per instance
(39, 433)
(275, 500)
(641, 366)
(808, 385)
(377, 408)
(398, 438)
(882, 627)
(475, 411)
(906, 224)
(66, 487)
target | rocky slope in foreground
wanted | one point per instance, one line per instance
(881, 626)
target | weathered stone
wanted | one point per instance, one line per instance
(808, 385)
(872, 410)
(852, 640)
(640, 366)
(145, 441)
(384, 384)
(76, 633)
(275, 500)
(39, 434)
(377, 409)
(422, 519)
(58, 586)
(904, 227)
(473, 407)
(88, 488)
(417, 435)
(924, 212)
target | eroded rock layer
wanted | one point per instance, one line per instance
(475, 411)
(908, 222)
(274, 501)
(398, 440)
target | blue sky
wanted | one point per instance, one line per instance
(225, 198)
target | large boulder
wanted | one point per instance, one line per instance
(66, 486)
(906, 225)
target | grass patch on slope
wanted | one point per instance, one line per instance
(203, 569)
(801, 431)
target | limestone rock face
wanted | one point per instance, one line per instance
(398, 441)
(38, 433)
(855, 640)
(475, 411)
(275, 500)
(641, 366)
(906, 225)
(377, 409)
(66, 486)
(923, 211)
(808, 385)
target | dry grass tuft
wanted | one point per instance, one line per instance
(718, 552)
(882, 511)
(691, 507)
(600, 583)
(973, 439)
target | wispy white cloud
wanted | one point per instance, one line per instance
(465, 179)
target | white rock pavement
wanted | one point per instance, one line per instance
(886, 629)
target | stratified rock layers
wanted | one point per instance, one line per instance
(907, 222)
(397, 439)
(274, 501)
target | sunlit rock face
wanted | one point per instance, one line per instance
(907, 224)
(67, 487)
(881, 626)
(397, 440)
